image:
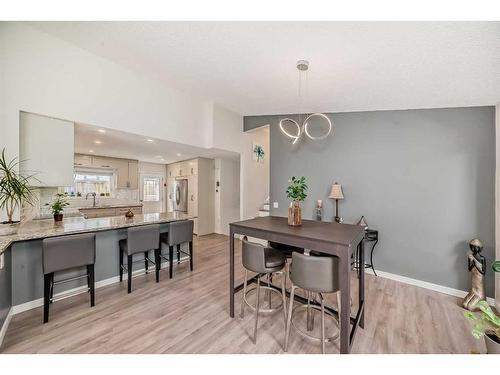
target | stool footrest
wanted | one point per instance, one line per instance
(69, 294)
(70, 279)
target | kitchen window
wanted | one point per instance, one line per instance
(92, 181)
(151, 189)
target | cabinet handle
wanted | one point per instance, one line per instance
(192, 198)
(105, 166)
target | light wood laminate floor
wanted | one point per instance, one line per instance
(189, 314)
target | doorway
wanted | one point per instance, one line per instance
(151, 192)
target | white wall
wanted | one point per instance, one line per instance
(227, 199)
(227, 131)
(45, 75)
(42, 74)
(254, 176)
(497, 204)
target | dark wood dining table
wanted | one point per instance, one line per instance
(336, 239)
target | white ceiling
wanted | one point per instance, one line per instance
(120, 144)
(249, 67)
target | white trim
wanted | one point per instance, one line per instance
(6, 323)
(17, 309)
(425, 285)
(112, 280)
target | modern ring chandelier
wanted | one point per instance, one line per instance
(303, 66)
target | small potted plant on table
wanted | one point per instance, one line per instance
(15, 191)
(58, 206)
(297, 192)
(487, 323)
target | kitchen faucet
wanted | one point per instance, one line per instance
(93, 195)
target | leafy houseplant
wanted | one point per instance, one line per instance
(487, 323)
(58, 206)
(15, 191)
(296, 192)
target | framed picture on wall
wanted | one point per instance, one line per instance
(258, 152)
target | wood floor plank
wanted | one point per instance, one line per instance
(190, 314)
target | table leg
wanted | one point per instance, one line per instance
(345, 303)
(231, 273)
(362, 281)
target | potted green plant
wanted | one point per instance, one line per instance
(487, 323)
(15, 192)
(297, 192)
(58, 205)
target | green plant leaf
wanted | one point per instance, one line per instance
(496, 266)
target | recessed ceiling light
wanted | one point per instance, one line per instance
(149, 140)
(101, 131)
(179, 154)
(97, 142)
(91, 151)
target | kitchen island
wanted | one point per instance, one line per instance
(21, 278)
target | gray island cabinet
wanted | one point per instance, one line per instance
(21, 278)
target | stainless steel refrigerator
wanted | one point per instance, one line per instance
(181, 195)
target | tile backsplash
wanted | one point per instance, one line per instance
(46, 195)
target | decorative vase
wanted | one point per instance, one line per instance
(58, 217)
(8, 229)
(294, 214)
(129, 214)
(492, 343)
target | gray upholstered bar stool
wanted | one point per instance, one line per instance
(179, 232)
(64, 253)
(316, 275)
(264, 261)
(140, 239)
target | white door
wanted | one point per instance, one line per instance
(151, 193)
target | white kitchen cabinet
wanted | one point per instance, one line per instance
(82, 160)
(192, 167)
(104, 162)
(200, 173)
(46, 145)
(173, 170)
(193, 195)
(122, 181)
(133, 174)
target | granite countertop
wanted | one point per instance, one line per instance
(110, 206)
(38, 229)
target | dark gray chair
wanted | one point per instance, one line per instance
(140, 239)
(264, 261)
(64, 253)
(316, 275)
(179, 232)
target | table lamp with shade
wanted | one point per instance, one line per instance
(336, 193)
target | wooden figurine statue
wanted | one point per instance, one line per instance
(477, 268)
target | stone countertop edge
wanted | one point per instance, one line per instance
(39, 229)
(110, 206)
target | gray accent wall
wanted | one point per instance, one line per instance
(424, 178)
(5, 288)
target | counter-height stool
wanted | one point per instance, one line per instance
(179, 232)
(64, 253)
(140, 239)
(316, 275)
(287, 251)
(263, 261)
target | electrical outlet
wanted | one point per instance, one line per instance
(275, 204)
(1, 261)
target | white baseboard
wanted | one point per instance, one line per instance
(17, 309)
(5, 325)
(425, 285)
